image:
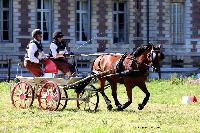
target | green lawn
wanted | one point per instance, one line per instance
(163, 113)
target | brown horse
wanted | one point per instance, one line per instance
(130, 70)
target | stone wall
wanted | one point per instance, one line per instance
(63, 18)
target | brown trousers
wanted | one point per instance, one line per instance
(64, 66)
(34, 68)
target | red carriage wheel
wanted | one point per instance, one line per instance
(49, 96)
(63, 99)
(89, 99)
(22, 95)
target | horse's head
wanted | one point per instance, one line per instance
(149, 55)
(155, 56)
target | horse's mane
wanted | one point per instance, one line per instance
(140, 50)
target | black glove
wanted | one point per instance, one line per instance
(41, 61)
(71, 53)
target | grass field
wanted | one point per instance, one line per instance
(163, 113)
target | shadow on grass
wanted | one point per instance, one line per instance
(125, 110)
(36, 109)
(77, 110)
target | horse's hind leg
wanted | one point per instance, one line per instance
(114, 94)
(102, 84)
(143, 87)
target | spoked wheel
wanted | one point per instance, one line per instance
(22, 95)
(63, 99)
(49, 96)
(89, 99)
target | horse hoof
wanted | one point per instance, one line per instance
(140, 106)
(109, 107)
(119, 108)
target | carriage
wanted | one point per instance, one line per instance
(128, 69)
(51, 90)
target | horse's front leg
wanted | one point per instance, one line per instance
(102, 85)
(143, 87)
(129, 94)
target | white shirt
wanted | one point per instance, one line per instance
(53, 48)
(31, 51)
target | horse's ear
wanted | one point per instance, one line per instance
(150, 43)
(158, 46)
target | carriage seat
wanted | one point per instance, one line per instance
(51, 69)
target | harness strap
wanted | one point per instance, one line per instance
(119, 66)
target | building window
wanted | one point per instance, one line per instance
(177, 23)
(83, 64)
(5, 21)
(138, 29)
(138, 4)
(3, 65)
(82, 20)
(120, 22)
(44, 18)
(177, 61)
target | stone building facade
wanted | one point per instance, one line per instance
(92, 26)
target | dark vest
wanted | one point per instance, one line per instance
(60, 46)
(39, 47)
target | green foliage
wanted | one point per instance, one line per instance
(174, 80)
(163, 113)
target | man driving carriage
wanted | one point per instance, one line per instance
(34, 54)
(58, 51)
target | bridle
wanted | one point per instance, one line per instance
(153, 57)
